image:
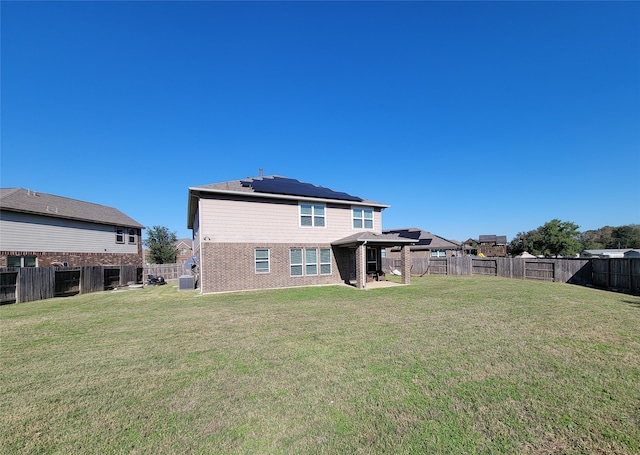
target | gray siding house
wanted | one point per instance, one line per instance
(273, 232)
(41, 230)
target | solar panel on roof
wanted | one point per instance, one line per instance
(293, 187)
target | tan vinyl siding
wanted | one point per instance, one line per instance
(25, 232)
(196, 234)
(240, 221)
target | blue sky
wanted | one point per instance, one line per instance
(467, 118)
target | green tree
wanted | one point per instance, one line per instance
(557, 238)
(592, 240)
(162, 245)
(520, 243)
(625, 237)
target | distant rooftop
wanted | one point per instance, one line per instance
(498, 239)
(36, 203)
(424, 239)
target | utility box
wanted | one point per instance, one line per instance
(186, 282)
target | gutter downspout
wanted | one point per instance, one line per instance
(200, 251)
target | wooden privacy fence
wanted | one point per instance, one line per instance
(614, 274)
(166, 271)
(617, 274)
(28, 284)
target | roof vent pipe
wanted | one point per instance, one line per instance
(260, 172)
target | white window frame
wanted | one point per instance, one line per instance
(361, 217)
(325, 264)
(315, 215)
(296, 264)
(311, 264)
(438, 253)
(260, 260)
(120, 235)
(307, 266)
(132, 235)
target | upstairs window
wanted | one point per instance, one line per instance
(312, 215)
(119, 235)
(132, 236)
(362, 218)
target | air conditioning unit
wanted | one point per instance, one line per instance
(186, 282)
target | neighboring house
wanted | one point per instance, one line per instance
(612, 253)
(41, 230)
(493, 245)
(185, 250)
(427, 244)
(273, 232)
(470, 247)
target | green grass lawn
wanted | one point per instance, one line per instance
(446, 365)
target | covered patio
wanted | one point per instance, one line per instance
(365, 256)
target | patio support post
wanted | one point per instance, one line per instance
(405, 256)
(361, 276)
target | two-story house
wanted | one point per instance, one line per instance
(41, 230)
(492, 245)
(185, 250)
(274, 232)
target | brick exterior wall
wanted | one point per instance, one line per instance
(231, 267)
(405, 255)
(46, 259)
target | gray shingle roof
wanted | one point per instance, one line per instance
(424, 239)
(492, 238)
(238, 187)
(379, 239)
(27, 201)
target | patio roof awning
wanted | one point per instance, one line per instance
(382, 240)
